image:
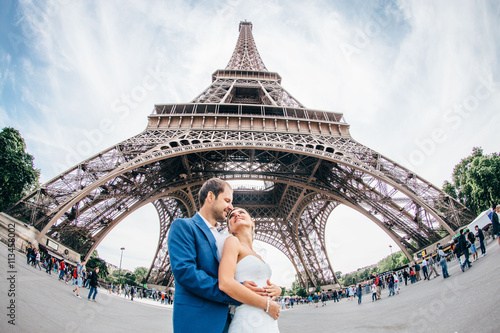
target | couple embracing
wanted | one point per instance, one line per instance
(213, 270)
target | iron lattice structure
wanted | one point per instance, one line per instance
(244, 126)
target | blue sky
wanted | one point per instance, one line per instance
(418, 81)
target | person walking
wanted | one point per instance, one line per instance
(29, 251)
(359, 291)
(79, 278)
(390, 283)
(463, 249)
(396, 282)
(417, 272)
(94, 283)
(37, 260)
(424, 269)
(378, 283)
(412, 275)
(406, 276)
(335, 296)
(480, 236)
(431, 264)
(496, 223)
(442, 261)
(472, 239)
(374, 292)
(62, 270)
(50, 263)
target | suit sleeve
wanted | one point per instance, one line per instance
(182, 250)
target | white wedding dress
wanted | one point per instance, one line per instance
(249, 318)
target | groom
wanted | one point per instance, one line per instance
(199, 305)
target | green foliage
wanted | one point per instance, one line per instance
(18, 175)
(476, 181)
(123, 277)
(301, 292)
(390, 262)
(140, 274)
(94, 261)
(129, 278)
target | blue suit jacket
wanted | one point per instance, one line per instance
(199, 305)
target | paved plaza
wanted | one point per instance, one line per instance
(466, 302)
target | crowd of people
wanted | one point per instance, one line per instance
(67, 273)
(131, 292)
(81, 277)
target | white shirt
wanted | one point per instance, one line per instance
(220, 236)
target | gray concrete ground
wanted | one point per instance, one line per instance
(466, 302)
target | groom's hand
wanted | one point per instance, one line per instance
(272, 290)
(256, 289)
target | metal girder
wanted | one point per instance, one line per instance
(244, 126)
(283, 159)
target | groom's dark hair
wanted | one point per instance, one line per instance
(214, 185)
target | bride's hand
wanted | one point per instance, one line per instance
(274, 309)
(272, 290)
(253, 287)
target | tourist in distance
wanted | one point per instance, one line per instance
(37, 259)
(359, 291)
(417, 272)
(412, 275)
(424, 269)
(79, 278)
(374, 291)
(442, 261)
(390, 284)
(378, 283)
(406, 276)
(472, 240)
(62, 270)
(495, 220)
(199, 304)
(480, 236)
(463, 249)
(432, 267)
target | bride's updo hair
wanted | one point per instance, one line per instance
(229, 217)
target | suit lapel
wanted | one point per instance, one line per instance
(198, 220)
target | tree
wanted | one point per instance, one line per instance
(140, 274)
(18, 175)
(476, 181)
(94, 261)
(123, 277)
(301, 292)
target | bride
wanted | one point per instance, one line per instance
(240, 263)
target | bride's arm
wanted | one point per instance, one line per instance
(233, 288)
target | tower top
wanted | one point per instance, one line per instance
(245, 55)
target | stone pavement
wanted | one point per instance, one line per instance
(466, 302)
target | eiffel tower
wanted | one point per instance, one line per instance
(244, 126)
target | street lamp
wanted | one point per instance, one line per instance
(120, 270)
(392, 257)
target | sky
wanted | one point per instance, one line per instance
(418, 81)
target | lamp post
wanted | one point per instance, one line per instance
(120, 270)
(392, 257)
